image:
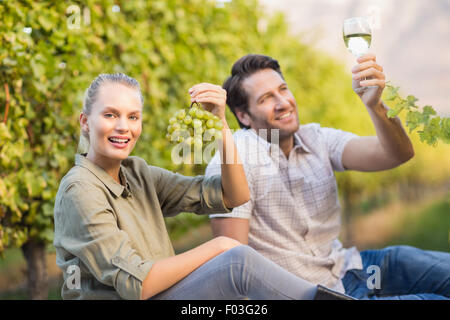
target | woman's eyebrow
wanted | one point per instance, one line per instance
(110, 108)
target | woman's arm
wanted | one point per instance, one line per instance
(234, 183)
(166, 272)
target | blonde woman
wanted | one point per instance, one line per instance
(109, 210)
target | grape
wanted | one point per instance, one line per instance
(198, 142)
(176, 126)
(197, 123)
(193, 126)
(218, 125)
(199, 113)
(218, 135)
(189, 141)
(172, 120)
(181, 114)
(192, 111)
(187, 119)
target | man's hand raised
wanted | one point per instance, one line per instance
(368, 73)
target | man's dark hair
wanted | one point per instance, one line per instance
(237, 97)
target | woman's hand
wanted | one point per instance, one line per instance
(225, 243)
(212, 97)
(235, 189)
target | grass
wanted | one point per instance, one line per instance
(12, 257)
(429, 230)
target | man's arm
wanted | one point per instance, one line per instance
(235, 228)
(391, 146)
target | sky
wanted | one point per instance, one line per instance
(411, 39)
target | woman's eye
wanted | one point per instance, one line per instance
(109, 115)
(134, 118)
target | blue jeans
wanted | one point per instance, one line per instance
(406, 273)
(240, 273)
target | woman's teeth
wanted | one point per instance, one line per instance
(115, 140)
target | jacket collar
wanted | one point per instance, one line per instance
(115, 188)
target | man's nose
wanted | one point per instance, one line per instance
(281, 101)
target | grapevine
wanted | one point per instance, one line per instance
(430, 126)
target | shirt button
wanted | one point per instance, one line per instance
(116, 259)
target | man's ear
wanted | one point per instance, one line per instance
(243, 117)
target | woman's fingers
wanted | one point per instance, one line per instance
(209, 98)
(212, 97)
(207, 94)
(203, 87)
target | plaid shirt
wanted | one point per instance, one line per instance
(294, 210)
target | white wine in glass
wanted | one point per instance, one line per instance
(357, 37)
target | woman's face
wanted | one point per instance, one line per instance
(115, 123)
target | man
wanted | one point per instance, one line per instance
(293, 216)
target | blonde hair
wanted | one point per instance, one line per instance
(91, 95)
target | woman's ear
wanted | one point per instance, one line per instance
(243, 117)
(83, 122)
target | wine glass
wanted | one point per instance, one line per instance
(357, 37)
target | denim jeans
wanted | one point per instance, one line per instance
(240, 273)
(406, 273)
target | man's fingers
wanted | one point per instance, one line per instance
(371, 72)
(366, 57)
(373, 82)
(367, 65)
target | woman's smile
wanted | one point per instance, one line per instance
(120, 142)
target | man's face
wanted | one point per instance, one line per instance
(271, 104)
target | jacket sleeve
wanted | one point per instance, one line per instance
(178, 193)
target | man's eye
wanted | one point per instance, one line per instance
(134, 118)
(264, 99)
(109, 115)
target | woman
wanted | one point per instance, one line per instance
(109, 211)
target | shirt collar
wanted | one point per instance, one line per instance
(116, 188)
(298, 143)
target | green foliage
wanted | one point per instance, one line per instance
(51, 51)
(433, 127)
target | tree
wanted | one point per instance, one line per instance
(51, 51)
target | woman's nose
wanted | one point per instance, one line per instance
(122, 124)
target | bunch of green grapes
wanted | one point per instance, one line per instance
(194, 126)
